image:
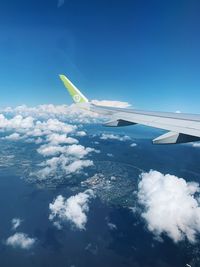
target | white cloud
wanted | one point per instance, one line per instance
(39, 140)
(78, 165)
(133, 145)
(55, 139)
(112, 226)
(20, 240)
(96, 142)
(51, 150)
(51, 127)
(55, 125)
(79, 151)
(171, 205)
(196, 144)
(16, 222)
(74, 209)
(109, 103)
(70, 113)
(106, 136)
(74, 150)
(16, 122)
(62, 112)
(12, 137)
(81, 133)
(70, 160)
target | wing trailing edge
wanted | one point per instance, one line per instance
(175, 138)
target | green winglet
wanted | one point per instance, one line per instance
(76, 95)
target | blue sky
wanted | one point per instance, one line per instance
(143, 52)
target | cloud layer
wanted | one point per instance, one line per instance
(171, 204)
(51, 128)
(61, 112)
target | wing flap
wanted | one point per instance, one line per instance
(118, 123)
(175, 138)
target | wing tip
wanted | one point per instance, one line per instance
(76, 95)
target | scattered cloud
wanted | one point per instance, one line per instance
(79, 151)
(171, 205)
(78, 165)
(74, 209)
(55, 139)
(12, 137)
(51, 150)
(196, 144)
(16, 222)
(133, 145)
(71, 160)
(54, 125)
(81, 133)
(112, 226)
(20, 240)
(54, 129)
(96, 143)
(16, 122)
(106, 136)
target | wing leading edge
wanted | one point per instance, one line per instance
(182, 128)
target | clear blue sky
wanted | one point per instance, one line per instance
(143, 52)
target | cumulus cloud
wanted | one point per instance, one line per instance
(51, 150)
(171, 205)
(16, 222)
(16, 122)
(32, 127)
(74, 209)
(78, 165)
(55, 138)
(109, 103)
(71, 159)
(51, 128)
(20, 240)
(133, 145)
(78, 151)
(106, 136)
(38, 140)
(81, 133)
(12, 137)
(55, 125)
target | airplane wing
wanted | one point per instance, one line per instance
(182, 128)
